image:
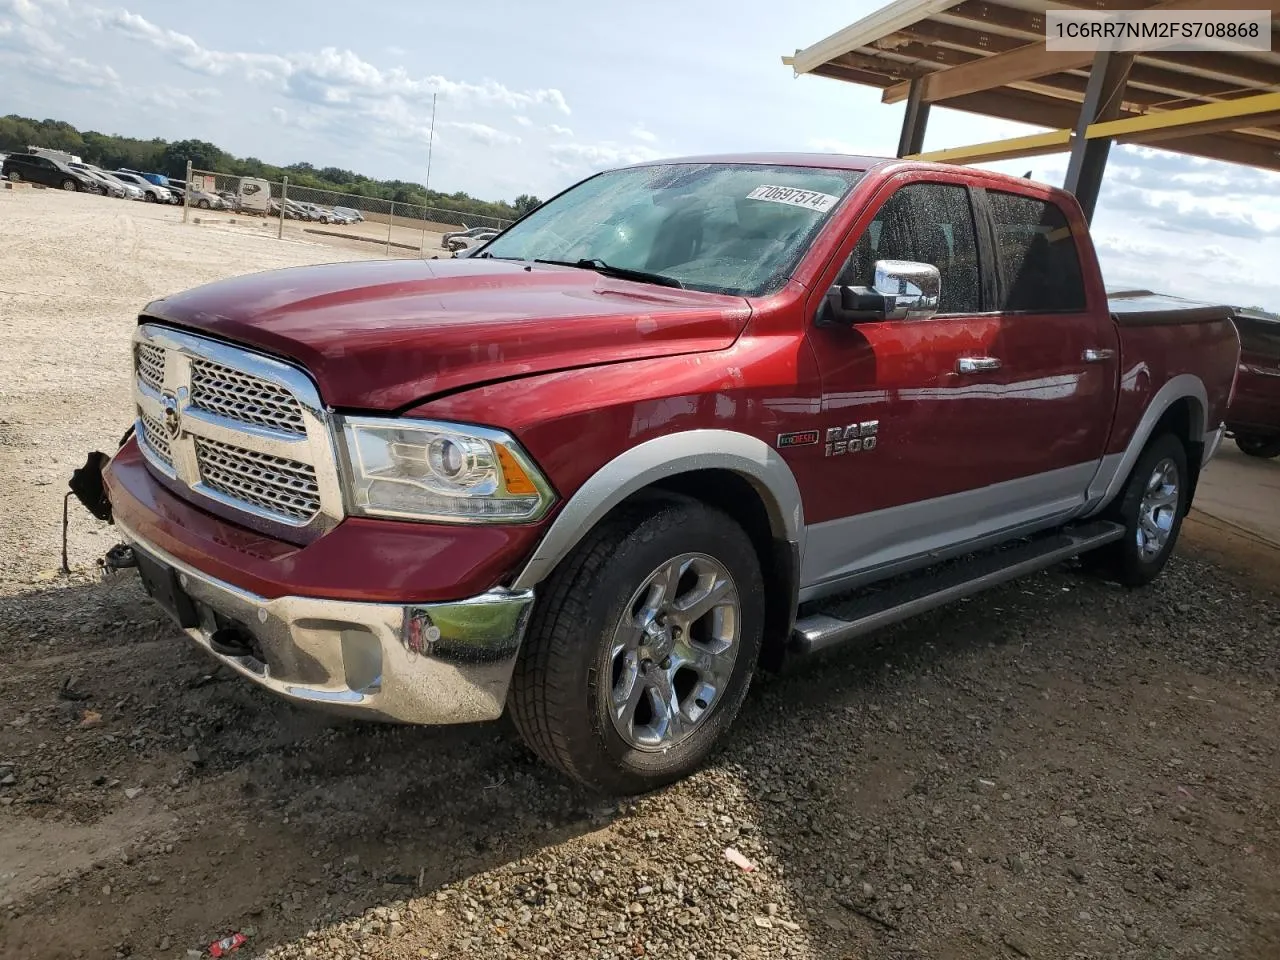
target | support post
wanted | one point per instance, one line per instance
(186, 196)
(391, 220)
(284, 195)
(1103, 98)
(914, 121)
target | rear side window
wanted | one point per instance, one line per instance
(1039, 265)
(926, 223)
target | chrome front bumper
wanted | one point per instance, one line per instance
(427, 663)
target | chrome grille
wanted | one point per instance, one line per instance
(277, 484)
(240, 434)
(156, 437)
(150, 363)
(243, 397)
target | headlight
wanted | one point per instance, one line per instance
(425, 470)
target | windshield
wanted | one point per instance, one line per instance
(719, 227)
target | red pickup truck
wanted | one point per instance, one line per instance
(641, 443)
(1254, 417)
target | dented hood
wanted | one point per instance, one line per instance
(384, 334)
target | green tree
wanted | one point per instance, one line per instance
(525, 203)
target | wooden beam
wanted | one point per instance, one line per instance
(1025, 63)
(1190, 120)
(1258, 129)
(1036, 145)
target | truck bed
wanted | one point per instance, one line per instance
(1142, 308)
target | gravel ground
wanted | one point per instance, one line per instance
(1060, 768)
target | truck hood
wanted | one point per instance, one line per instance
(384, 334)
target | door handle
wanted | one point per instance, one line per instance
(976, 364)
(1095, 355)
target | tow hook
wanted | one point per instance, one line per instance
(119, 557)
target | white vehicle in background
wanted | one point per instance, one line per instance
(254, 195)
(351, 214)
(150, 192)
(70, 159)
(464, 244)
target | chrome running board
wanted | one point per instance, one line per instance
(883, 604)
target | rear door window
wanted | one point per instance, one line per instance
(925, 223)
(1039, 263)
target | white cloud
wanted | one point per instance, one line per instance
(559, 131)
(570, 156)
(521, 119)
(640, 132)
(482, 133)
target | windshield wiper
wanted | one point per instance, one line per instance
(622, 273)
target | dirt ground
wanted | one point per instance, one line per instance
(1059, 768)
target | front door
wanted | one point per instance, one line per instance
(912, 406)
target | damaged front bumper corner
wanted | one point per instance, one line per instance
(429, 663)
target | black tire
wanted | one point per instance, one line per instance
(149, 196)
(557, 699)
(15, 176)
(1127, 561)
(70, 185)
(1265, 448)
(203, 204)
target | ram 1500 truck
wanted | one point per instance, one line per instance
(634, 447)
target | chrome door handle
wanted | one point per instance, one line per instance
(1092, 355)
(976, 364)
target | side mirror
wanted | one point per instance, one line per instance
(902, 290)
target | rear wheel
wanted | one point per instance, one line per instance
(69, 185)
(1151, 507)
(15, 176)
(1262, 447)
(641, 647)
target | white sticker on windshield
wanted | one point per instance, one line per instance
(809, 199)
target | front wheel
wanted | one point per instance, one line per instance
(69, 185)
(641, 647)
(203, 204)
(1262, 447)
(15, 176)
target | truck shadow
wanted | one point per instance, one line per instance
(164, 796)
(994, 779)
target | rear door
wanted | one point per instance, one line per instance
(1059, 351)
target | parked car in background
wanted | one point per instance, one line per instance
(353, 215)
(686, 418)
(150, 192)
(48, 172)
(112, 188)
(447, 241)
(230, 199)
(129, 190)
(471, 240)
(198, 198)
(1254, 415)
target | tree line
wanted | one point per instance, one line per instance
(112, 152)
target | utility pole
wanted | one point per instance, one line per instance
(431, 142)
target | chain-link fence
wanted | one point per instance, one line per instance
(400, 227)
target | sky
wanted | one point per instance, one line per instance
(534, 96)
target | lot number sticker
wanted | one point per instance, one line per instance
(809, 199)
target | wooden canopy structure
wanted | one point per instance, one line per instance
(990, 58)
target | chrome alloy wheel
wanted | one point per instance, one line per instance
(673, 652)
(1158, 509)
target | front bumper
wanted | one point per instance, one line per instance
(428, 663)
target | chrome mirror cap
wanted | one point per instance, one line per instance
(910, 289)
